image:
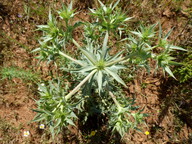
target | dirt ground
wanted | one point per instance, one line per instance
(159, 95)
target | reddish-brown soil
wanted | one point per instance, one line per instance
(153, 92)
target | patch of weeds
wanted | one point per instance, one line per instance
(185, 71)
(7, 133)
(14, 72)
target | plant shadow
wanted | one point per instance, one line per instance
(97, 124)
(177, 97)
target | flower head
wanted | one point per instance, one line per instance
(26, 133)
(19, 15)
(147, 132)
(39, 88)
(42, 126)
(93, 133)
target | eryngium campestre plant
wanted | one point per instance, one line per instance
(97, 69)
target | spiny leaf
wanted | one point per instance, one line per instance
(115, 76)
(89, 56)
(115, 4)
(168, 34)
(167, 69)
(177, 48)
(104, 48)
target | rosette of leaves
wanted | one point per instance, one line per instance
(97, 58)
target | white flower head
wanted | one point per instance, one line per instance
(42, 126)
(39, 88)
(26, 133)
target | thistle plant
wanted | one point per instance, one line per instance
(97, 69)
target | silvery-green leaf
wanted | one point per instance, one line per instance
(177, 48)
(42, 26)
(92, 10)
(35, 50)
(58, 121)
(69, 121)
(73, 115)
(114, 57)
(100, 79)
(167, 69)
(137, 33)
(128, 18)
(160, 31)
(71, 5)
(115, 76)
(117, 67)
(89, 56)
(50, 16)
(104, 47)
(168, 34)
(103, 6)
(86, 69)
(38, 118)
(115, 4)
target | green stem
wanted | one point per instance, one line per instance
(72, 59)
(80, 84)
(115, 101)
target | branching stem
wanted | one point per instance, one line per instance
(114, 99)
(72, 59)
(75, 43)
(80, 84)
